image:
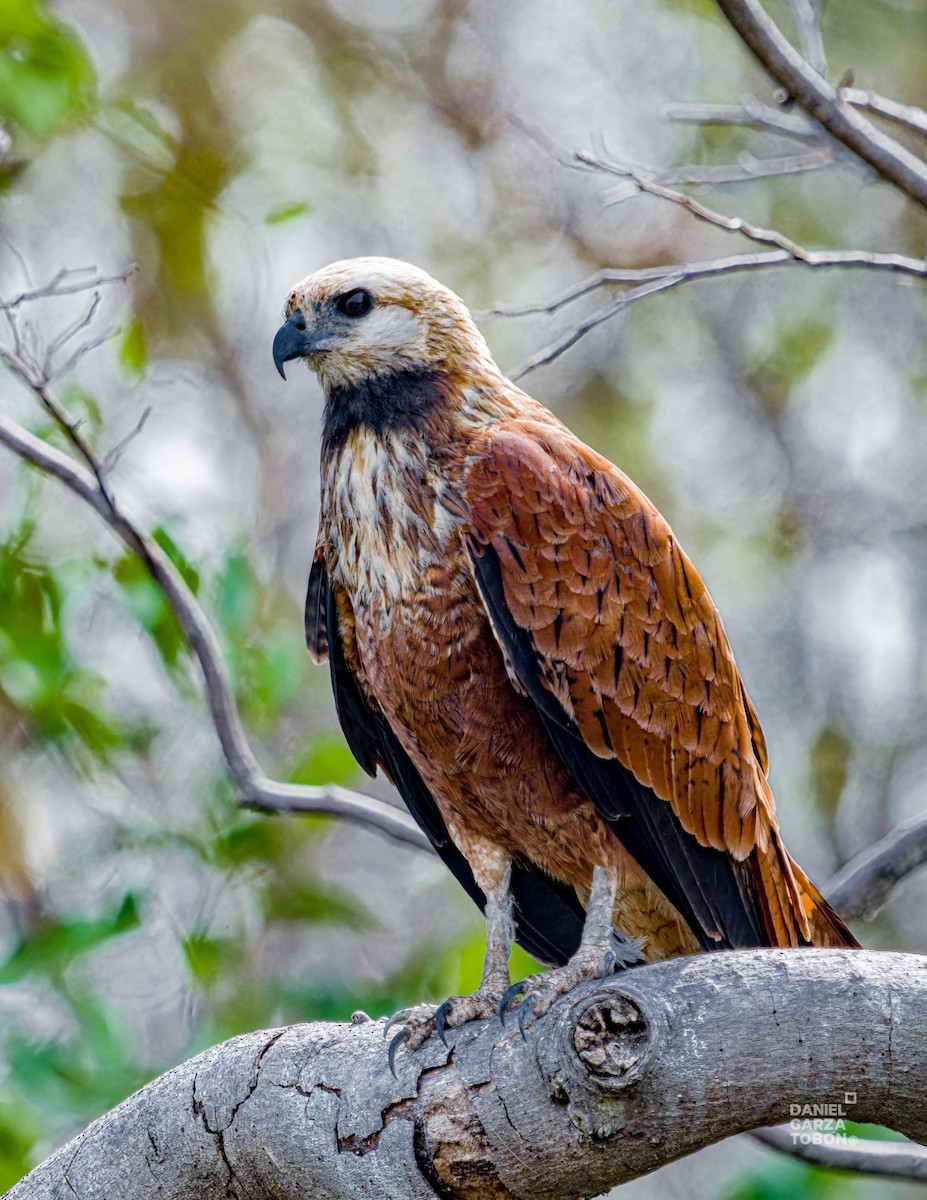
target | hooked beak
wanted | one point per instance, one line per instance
(292, 341)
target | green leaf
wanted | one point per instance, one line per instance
(238, 596)
(46, 76)
(80, 402)
(53, 945)
(306, 901)
(286, 212)
(147, 602)
(203, 955)
(19, 1131)
(326, 759)
(133, 348)
(175, 554)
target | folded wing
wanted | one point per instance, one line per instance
(610, 631)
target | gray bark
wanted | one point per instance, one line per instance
(622, 1076)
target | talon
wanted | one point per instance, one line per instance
(508, 996)
(397, 1016)
(608, 964)
(527, 1005)
(393, 1047)
(442, 1012)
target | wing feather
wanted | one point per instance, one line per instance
(613, 635)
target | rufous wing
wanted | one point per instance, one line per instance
(611, 632)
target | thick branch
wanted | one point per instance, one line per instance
(257, 790)
(823, 102)
(621, 1077)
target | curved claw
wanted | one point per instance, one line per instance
(397, 1016)
(508, 996)
(442, 1012)
(393, 1047)
(527, 1005)
(608, 964)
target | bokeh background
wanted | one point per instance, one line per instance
(230, 147)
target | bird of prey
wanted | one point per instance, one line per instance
(517, 640)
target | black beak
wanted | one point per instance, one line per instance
(291, 341)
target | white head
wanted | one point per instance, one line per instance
(367, 317)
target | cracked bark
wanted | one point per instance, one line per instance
(619, 1078)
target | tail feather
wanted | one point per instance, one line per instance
(827, 927)
(795, 912)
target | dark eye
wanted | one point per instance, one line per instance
(354, 304)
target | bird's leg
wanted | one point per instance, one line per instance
(601, 950)
(494, 875)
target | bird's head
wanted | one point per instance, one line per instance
(365, 318)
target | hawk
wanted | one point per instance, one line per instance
(517, 640)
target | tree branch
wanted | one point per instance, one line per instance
(824, 103)
(752, 113)
(908, 115)
(257, 790)
(898, 1160)
(651, 280)
(861, 887)
(597, 1094)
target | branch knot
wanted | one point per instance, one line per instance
(611, 1037)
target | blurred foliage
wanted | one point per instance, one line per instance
(228, 147)
(46, 74)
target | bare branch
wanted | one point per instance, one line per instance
(768, 237)
(750, 167)
(901, 1160)
(650, 280)
(727, 265)
(816, 96)
(66, 283)
(807, 15)
(907, 115)
(257, 790)
(663, 278)
(37, 381)
(590, 321)
(752, 113)
(121, 446)
(83, 349)
(70, 332)
(863, 885)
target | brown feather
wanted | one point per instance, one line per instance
(620, 649)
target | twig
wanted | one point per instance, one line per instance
(750, 167)
(69, 332)
(905, 1160)
(756, 233)
(37, 380)
(823, 102)
(590, 321)
(663, 278)
(752, 113)
(59, 285)
(807, 14)
(257, 790)
(907, 115)
(121, 446)
(727, 265)
(651, 280)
